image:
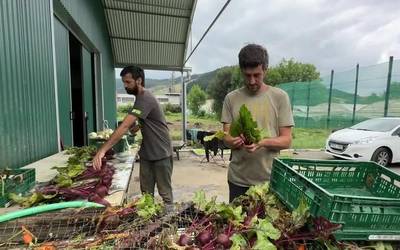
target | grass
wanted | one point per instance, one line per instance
(309, 138)
(303, 138)
(207, 121)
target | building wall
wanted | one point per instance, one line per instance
(89, 14)
(28, 123)
(28, 128)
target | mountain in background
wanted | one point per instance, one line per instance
(319, 94)
(161, 86)
(150, 83)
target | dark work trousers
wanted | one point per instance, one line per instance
(157, 172)
(236, 191)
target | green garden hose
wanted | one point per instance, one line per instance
(46, 208)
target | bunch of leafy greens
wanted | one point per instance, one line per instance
(80, 154)
(147, 207)
(246, 126)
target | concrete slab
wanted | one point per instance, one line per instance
(192, 173)
(123, 164)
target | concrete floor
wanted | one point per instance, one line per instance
(193, 172)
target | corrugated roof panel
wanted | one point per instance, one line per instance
(177, 4)
(150, 33)
(125, 24)
(148, 53)
(146, 8)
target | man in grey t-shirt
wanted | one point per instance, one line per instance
(270, 108)
(156, 149)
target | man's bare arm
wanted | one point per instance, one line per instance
(115, 137)
(283, 141)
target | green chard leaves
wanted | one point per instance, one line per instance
(246, 126)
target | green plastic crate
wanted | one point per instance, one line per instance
(20, 185)
(362, 196)
(119, 147)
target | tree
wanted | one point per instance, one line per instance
(291, 71)
(219, 87)
(196, 98)
(231, 78)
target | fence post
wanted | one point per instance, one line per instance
(389, 79)
(292, 99)
(355, 94)
(330, 99)
(308, 103)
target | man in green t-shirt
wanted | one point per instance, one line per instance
(270, 108)
(156, 148)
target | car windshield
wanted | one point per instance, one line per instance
(379, 125)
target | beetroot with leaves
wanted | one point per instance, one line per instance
(204, 237)
(184, 240)
(102, 190)
(96, 198)
(224, 240)
(111, 221)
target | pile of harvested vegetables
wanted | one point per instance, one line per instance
(77, 180)
(257, 220)
(81, 228)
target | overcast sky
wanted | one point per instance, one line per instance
(331, 34)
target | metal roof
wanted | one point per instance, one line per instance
(152, 34)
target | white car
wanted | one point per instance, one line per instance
(376, 139)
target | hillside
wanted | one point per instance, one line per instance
(160, 86)
(150, 83)
(319, 92)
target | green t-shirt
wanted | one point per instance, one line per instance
(156, 143)
(271, 110)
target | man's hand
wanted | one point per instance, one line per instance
(234, 142)
(97, 160)
(252, 147)
(128, 121)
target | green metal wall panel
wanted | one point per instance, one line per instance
(89, 15)
(88, 95)
(61, 35)
(28, 129)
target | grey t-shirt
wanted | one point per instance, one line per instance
(271, 110)
(156, 143)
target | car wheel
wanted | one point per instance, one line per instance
(382, 156)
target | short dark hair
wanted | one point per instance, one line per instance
(252, 55)
(135, 71)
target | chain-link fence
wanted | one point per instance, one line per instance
(345, 98)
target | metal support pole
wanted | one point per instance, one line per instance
(292, 99)
(330, 99)
(184, 115)
(355, 94)
(308, 102)
(389, 80)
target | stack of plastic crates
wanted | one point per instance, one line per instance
(362, 196)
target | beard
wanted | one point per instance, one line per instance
(131, 91)
(253, 89)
